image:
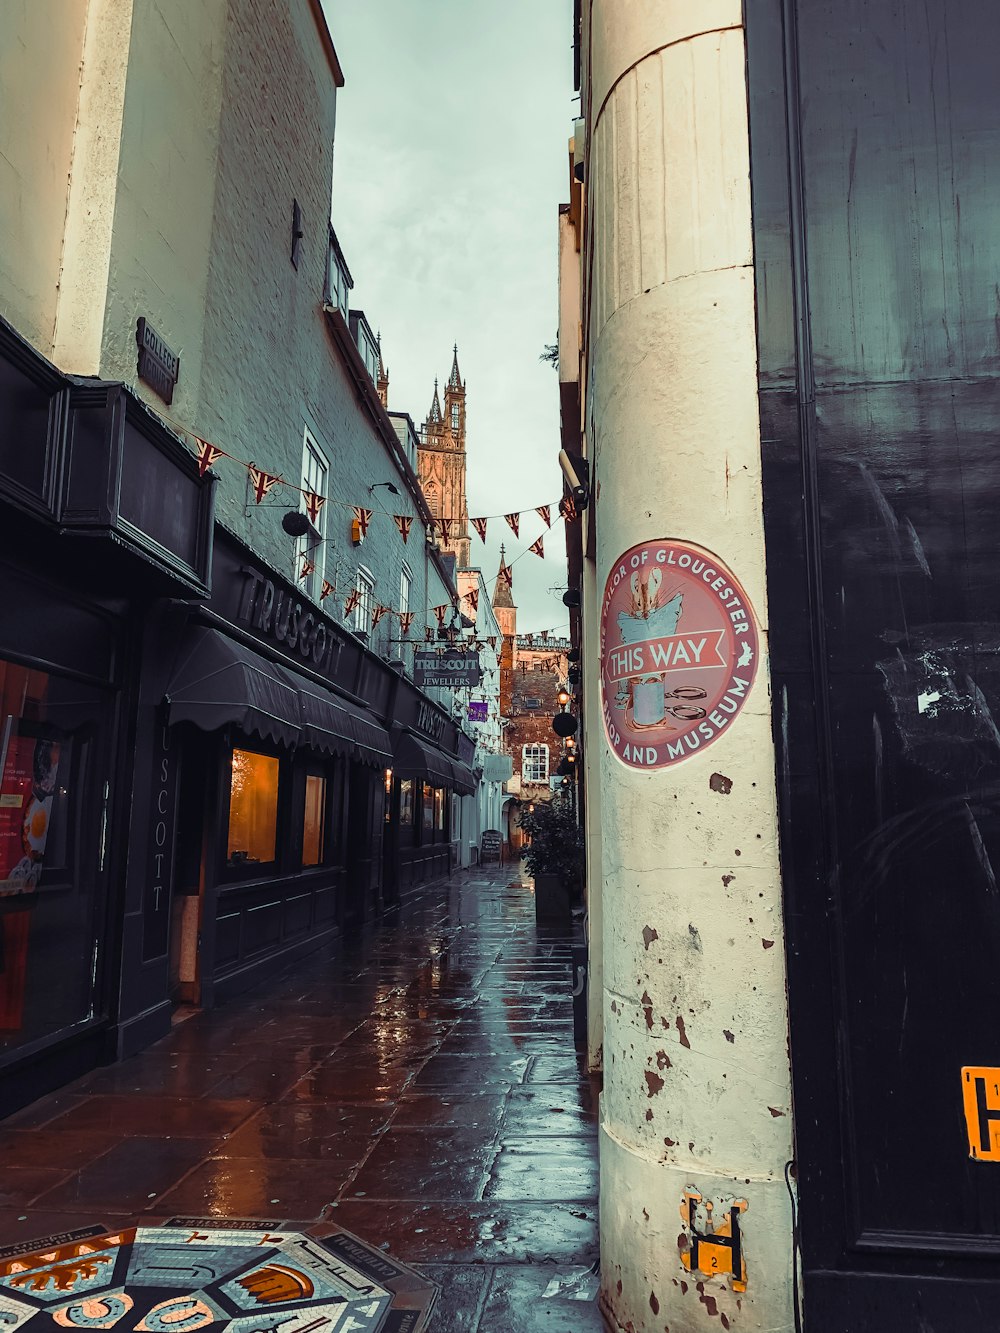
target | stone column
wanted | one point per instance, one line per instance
(697, 1098)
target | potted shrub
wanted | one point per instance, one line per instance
(554, 857)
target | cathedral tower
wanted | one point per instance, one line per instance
(441, 464)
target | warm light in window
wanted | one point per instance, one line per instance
(253, 807)
(313, 820)
(388, 780)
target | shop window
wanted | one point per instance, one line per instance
(428, 807)
(405, 585)
(54, 794)
(439, 806)
(314, 821)
(253, 808)
(406, 801)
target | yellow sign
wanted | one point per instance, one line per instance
(714, 1249)
(981, 1096)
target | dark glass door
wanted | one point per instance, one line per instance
(875, 131)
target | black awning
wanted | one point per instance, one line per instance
(464, 779)
(333, 725)
(415, 759)
(218, 682)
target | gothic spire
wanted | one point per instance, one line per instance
(455, 379)
(434, 417)
(502, 590)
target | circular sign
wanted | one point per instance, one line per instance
(678, 652)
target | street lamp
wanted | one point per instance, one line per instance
(563, 697)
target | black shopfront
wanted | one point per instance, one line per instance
(287, 730)
(105, 524)
(196, 763)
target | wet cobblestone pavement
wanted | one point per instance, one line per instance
(420, 1087)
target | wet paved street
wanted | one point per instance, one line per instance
(420, 1087)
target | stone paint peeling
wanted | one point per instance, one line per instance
(672, 317)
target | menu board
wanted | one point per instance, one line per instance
(29, 767)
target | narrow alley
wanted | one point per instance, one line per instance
(419, 1087)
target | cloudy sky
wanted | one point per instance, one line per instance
(450, 166)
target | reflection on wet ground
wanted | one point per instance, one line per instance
(419, 1086)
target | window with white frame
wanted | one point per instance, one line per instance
(312, 546)
(534, 763)
(365, 588)
(455, 418)
(405, 584)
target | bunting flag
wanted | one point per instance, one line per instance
(537, 548)
(378, 613)
(492, 641)
(545, 512)
(208, 454)
(352, 601)
(506, 573)
(440, 612)
(445, 525)
(327, 589)
(472, 597)
(480, 525)
(406, 620)
(567, 507)
(513, 522)
(404, 522)
(544, 635)
(363, 517)
(314, 503)
(262, 482)
(308, 567)
(429, 634)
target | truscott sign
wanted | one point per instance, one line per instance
(450, 670)
(678, 652)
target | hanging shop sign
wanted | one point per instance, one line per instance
(158, 366)
(453, 670)
(498, 768)
(479, 710)
(678, 652)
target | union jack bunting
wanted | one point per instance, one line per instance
(404, 522)
(513, 522)
(506, 574)
(262, 482)
(406, 620)
(314, 503)
(472, 597)
(543, 635)
(429, 634)
(445, 525)
(480, 525)
(326, 590)
(492, 641)
(545, 512)
(308, 567)
(538, 548)
(440, 612)
(352, 601)
(363, 517)
(208, 454)
(567, 507)
(378, 613)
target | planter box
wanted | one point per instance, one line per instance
(552, 900)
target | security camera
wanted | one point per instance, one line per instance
(579, 484)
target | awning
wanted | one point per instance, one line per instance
(415, 759)
(335, 726)
(464, 781)
(218, 682)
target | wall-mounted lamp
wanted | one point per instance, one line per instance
(563, 697)
(388, 486)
